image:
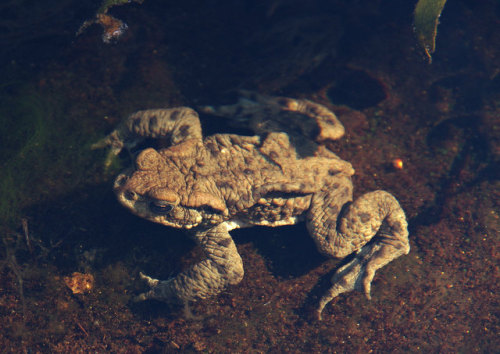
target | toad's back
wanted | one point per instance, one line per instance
(262, 181)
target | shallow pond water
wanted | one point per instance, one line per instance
(60, 93)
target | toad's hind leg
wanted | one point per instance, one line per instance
(375, 213)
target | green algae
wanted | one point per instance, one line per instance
(44, 153)
(23, 133)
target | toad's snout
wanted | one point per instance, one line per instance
(123, 190)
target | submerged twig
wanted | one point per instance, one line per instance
(24, 223)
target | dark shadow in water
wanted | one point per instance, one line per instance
(289, 250)
(356, 89)
(474, 151)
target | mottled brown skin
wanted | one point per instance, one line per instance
(210, 186)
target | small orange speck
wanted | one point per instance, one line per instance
(397, 164)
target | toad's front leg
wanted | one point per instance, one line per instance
(174, 124)
(222, 267)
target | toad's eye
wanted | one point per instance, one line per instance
(160, 207)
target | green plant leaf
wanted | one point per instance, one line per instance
(426, 20)
(106, 4)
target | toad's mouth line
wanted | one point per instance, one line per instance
(161, 219)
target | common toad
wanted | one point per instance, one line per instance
(210, 186)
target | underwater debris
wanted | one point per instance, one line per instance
(79, 283)
(113, 28)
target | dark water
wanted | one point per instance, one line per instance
(60, 93)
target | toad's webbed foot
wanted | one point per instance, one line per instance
(358, 273)
(152, 283)
(375, 213)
